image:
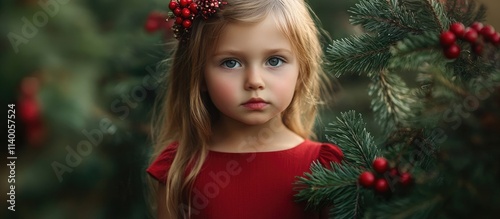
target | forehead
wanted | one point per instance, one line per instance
(252, 37)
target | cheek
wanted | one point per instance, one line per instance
(221, 91)
(285, 89)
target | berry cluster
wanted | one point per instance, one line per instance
(186, 11)
(477, 34)
(383, 176)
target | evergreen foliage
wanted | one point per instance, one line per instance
(439, 117)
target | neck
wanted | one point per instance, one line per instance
(240, 137)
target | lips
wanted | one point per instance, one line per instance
(255, 104)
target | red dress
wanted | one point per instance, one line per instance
(251, 185)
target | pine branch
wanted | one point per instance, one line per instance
(350, 134)
(404, 35)
(387, 18)
(414, 150)
(391, 101)
(483, 84)
(480, 14)
(349, 205)
(441, 82)
(438, 14)
(456, 88)
(469, 65)
(425, 149)
(465, 11)
(389, 21)
(325, 187)
(416, 206)
(416, 51)
(361, 54)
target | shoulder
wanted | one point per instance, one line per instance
(159, 168)
(327, 152)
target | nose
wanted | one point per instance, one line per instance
(254, 80)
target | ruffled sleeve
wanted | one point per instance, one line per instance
(329, 153)
(161, 165)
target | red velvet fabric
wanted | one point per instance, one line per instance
(250, 185)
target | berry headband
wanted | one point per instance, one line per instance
(186, 11)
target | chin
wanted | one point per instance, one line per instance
(256, 121)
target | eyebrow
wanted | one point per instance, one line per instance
(239, 52)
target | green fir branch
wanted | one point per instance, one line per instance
(389, 21)
(465, 11)
(416, 206)
(484, 85)
(387, 18)
(443, 83)
(450, 83)
(451, 9)
(425, 149)
(391, 102)
(404, 36)
(415, 150)
(479, 15)
(361, 54)
(438, 14)
(350, 134)
(330, 187)
(469, 65)
(349, 205)
(416, 51)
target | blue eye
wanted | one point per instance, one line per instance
(275, 61)
(231, 63)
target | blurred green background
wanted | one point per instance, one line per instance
(83, 77)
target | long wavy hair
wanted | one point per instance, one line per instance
(186, 113)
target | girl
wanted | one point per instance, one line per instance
(238, 113)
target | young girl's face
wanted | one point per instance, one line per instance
(252, 73)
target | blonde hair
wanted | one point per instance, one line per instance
(187, 114)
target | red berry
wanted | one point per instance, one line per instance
(366, 179)
(193, 8)
(189, 2)
(452, 52)
(177, 11)
(405, 179)
(477, 48)
(447, 38)
(495, 39)
(380, 165)
(179, 20)
(152, 25)
(186, 13)
(488, 31)
(172, 5)
(477, 26)
(29, 110)
(381, 185)
(183, 3)
(470, 35)
(186, 23)
(458, 29)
